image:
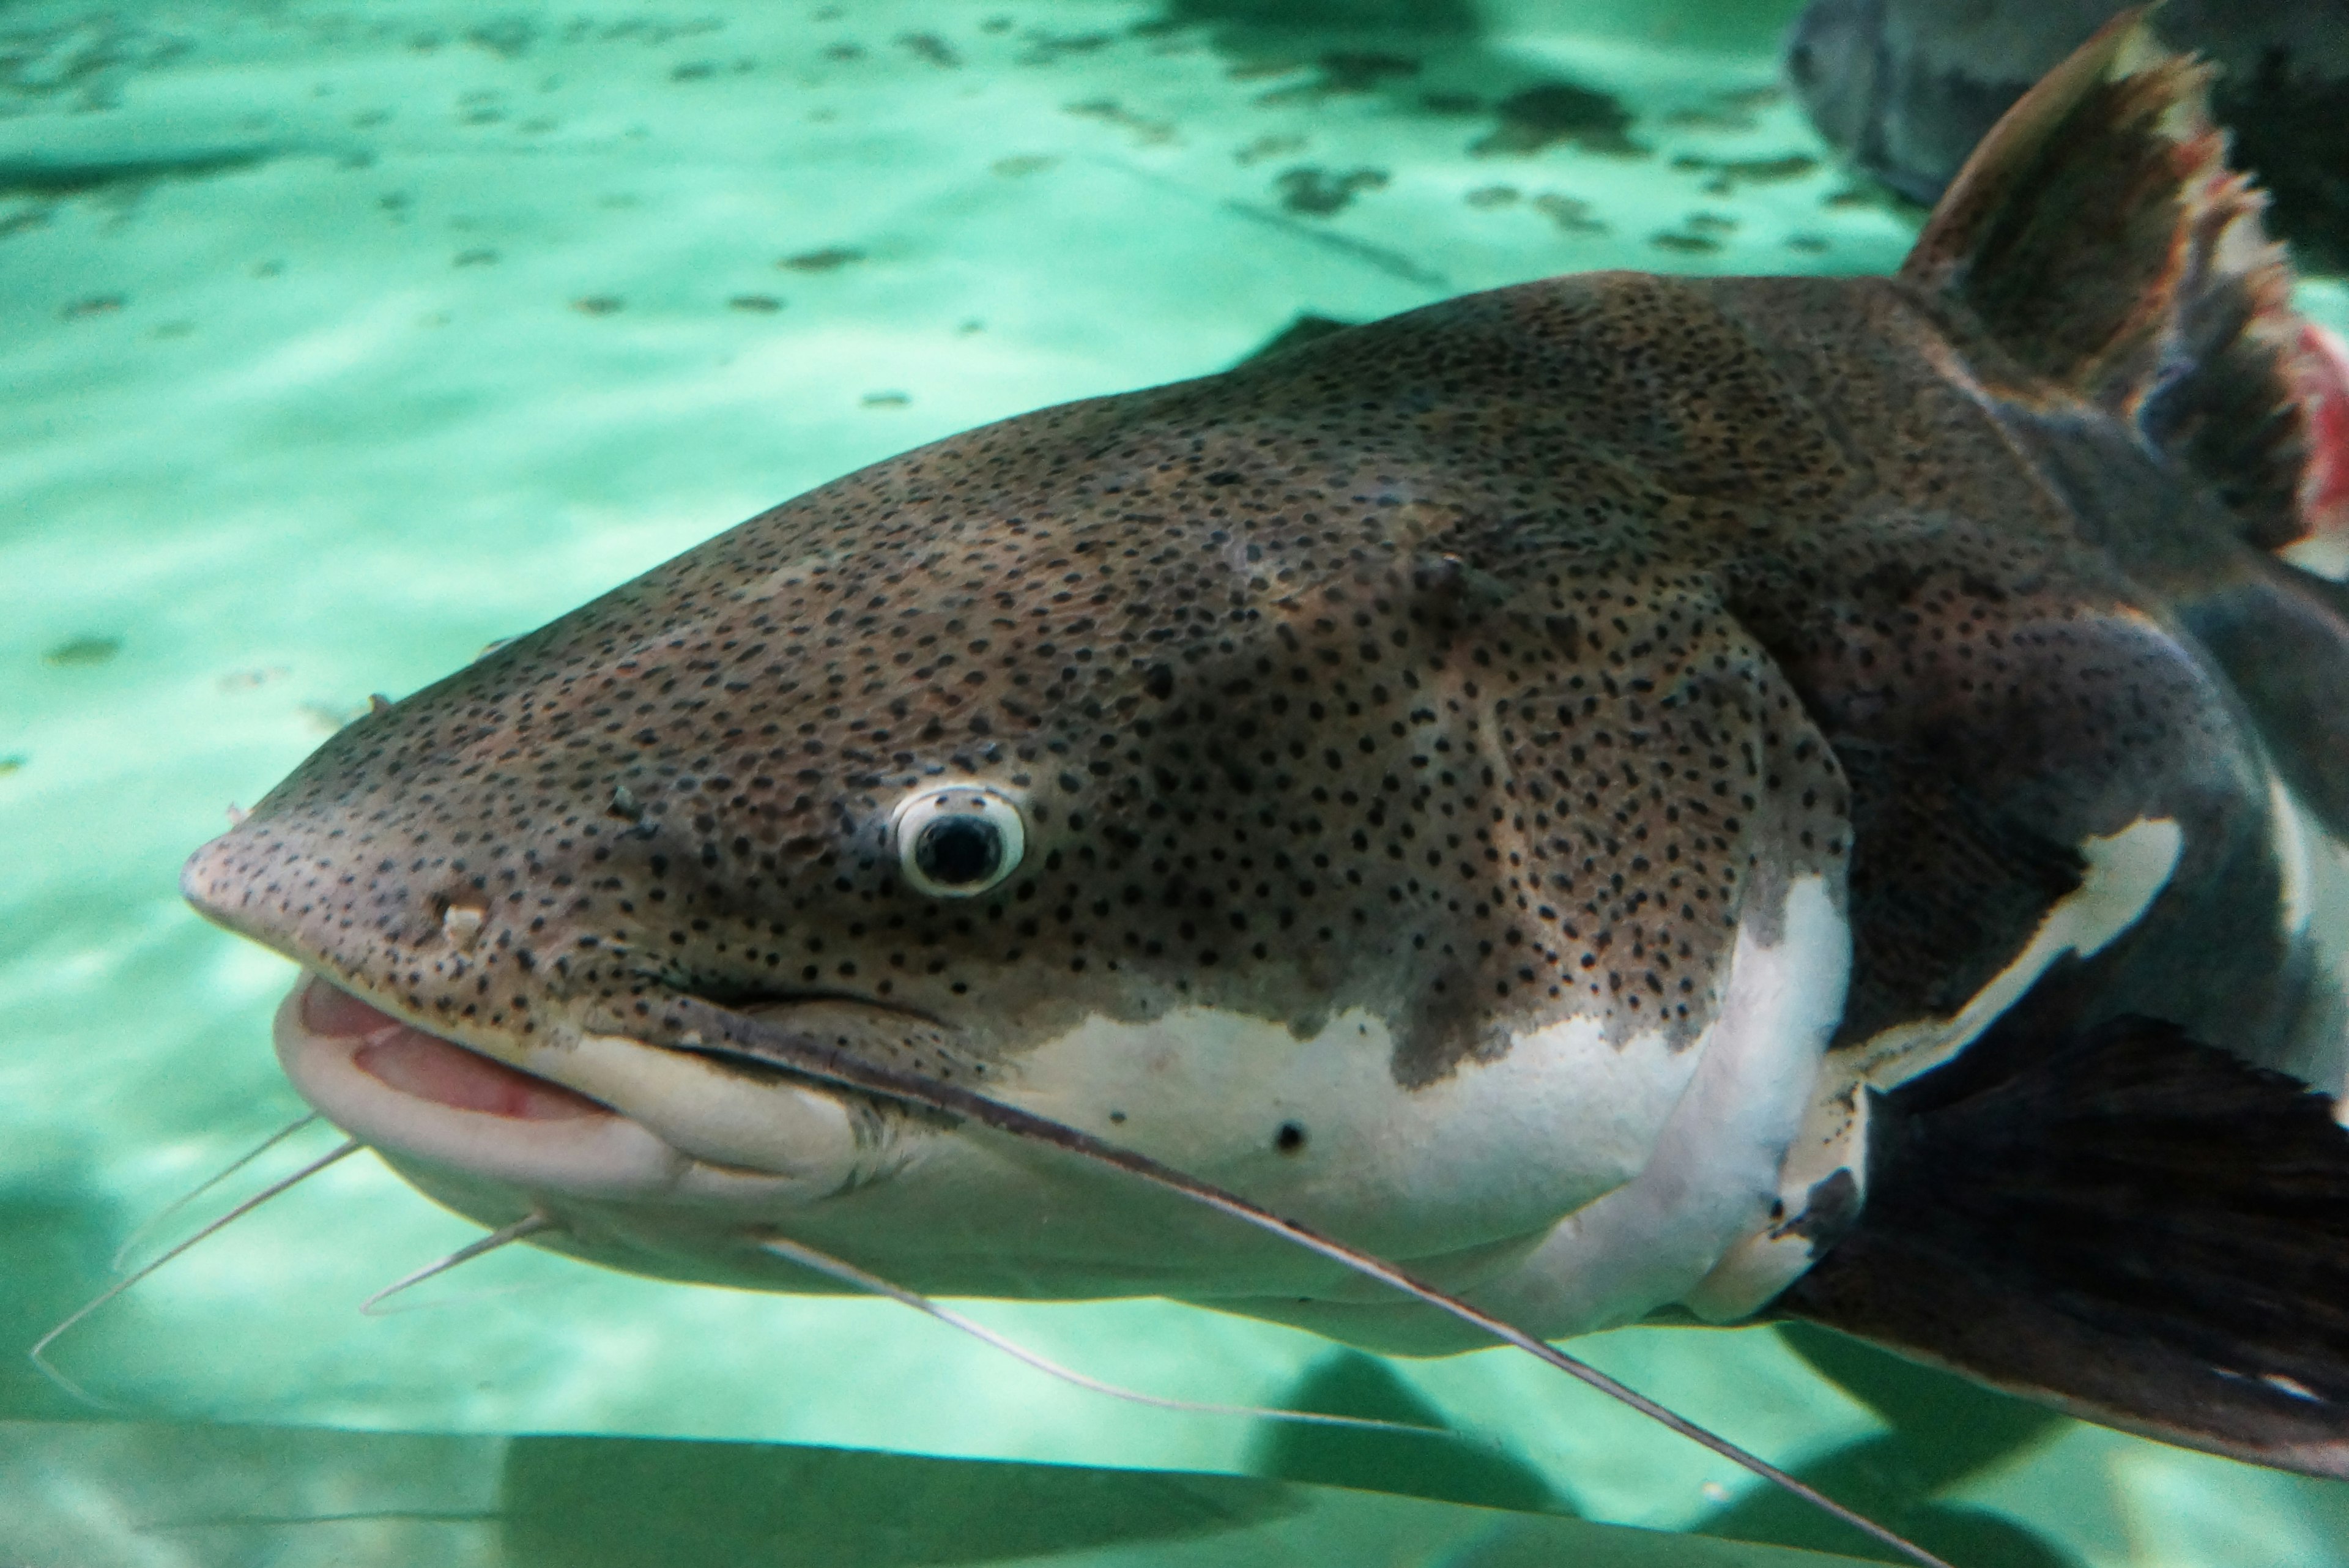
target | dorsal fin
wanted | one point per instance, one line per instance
(2099, 235)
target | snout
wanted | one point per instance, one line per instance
(219, 880)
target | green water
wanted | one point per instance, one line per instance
(336, 341)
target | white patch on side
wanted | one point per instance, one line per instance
(2124, 874)
(1496, 1149)
(1457, 1176)
(2314, 868)
(1714, 1171)
(2320, 556)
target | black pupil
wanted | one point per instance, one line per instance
(957, 851)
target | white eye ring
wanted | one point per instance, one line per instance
(959, 840)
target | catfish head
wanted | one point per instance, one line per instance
(1311, 777)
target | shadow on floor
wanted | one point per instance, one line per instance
(1448, 1469)
(1942, 1432)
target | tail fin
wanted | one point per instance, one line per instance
(2130, 1226)
(2099, 237)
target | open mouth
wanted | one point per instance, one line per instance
(429, 1067)
(628, 1119)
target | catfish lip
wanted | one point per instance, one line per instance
(433, 1067)
(592, 1115)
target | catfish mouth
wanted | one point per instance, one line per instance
(432, 1067)
(587, 1115)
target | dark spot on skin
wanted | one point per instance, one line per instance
(1290, 1139)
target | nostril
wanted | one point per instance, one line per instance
(338, 1014)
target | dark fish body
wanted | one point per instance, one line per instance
(1630, 796)
(1906, 89)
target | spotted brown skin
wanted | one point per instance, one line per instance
(1322, 688)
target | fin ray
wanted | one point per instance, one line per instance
(2099, 238)
(2132, 1226)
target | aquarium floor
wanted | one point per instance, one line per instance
(338, 341)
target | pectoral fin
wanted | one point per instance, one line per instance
(2131, 1226)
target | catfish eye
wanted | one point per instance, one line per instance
(956, 841)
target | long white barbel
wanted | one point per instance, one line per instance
(38, 1355)
(155, 1221)
(848, 1273)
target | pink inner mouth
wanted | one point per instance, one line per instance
(431, 1068)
